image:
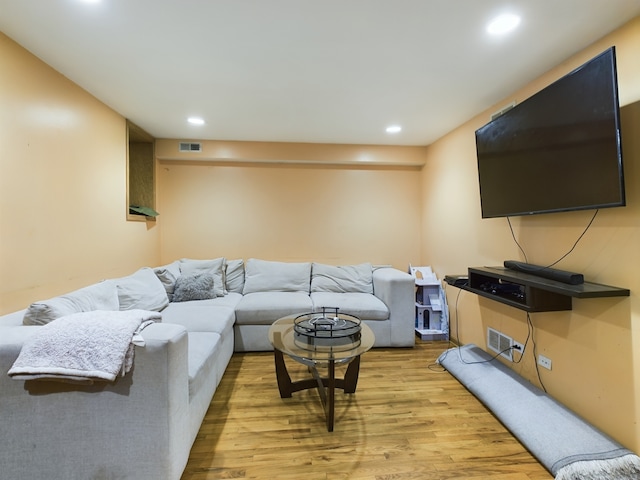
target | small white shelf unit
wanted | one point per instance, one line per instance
(432, 313)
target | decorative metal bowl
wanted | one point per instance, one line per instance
(327, 329)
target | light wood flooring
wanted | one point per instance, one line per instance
(407, 420)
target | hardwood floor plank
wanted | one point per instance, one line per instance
(407, 420)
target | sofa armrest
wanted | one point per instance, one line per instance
(136, 427)
(397, 290)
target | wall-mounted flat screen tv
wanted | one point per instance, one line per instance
(559, 150)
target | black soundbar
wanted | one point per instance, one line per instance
(551, 273)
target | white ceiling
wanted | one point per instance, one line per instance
(329, 71)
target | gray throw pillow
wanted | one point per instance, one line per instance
(198, 286)
(215, 267)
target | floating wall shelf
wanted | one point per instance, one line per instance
(531, 293)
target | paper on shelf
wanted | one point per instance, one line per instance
(423, 275)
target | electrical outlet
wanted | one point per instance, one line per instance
(518, 347)
(544, 362)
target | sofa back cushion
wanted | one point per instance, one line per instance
(99, 296)
(342, 279)
(234, 276)
(141, 290)
(362, 305)
(168, 275)
(268, 276)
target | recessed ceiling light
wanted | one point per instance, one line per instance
(195, 121)
(394, 129)
(503, 24)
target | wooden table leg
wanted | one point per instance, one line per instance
(331, 395)
(351, 376)
(282, 375)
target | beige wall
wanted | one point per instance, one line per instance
(595, 348)
(322, 205)
(62, 186)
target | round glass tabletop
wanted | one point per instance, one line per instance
(288, 336)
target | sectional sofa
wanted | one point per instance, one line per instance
(142, 425)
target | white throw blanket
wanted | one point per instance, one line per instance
(83, 347)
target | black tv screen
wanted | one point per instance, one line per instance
(558, 150)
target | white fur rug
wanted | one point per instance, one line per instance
(568, 446)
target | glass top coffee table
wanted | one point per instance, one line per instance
(316, 340)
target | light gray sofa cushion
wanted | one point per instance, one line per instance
(14, 319)
(268, 276)
(202, 346)
(362, 305)
(209, 354)
(230, 300)
(141, 290)
(200, 318)
(168, 274)
(215, 267)
(342, 279)
(99, 296)
(263, 308)
(234, 276)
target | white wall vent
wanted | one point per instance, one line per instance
(503, 110)
(500, 343)
(190, 147)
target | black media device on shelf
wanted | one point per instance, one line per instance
(558, 150)
(457, 280)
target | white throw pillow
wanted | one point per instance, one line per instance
(99, 296)
(141, 290)
(342, 279)
(215, 267)
(267, 276)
